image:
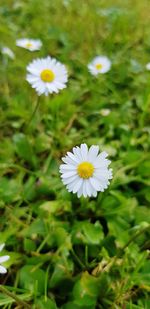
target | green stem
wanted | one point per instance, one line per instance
(137, 234)
(16, 298)
(16, 166)
(86, 255)
(46, 283)
(42, 243)
(77, 259)
(33, 113)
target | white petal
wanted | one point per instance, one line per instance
(84, 152)
(69, 174)
(80, 191)
(99, 163)
(103, 174)
(85, 193)
(64, 167)
(77, 185)
(73, 157)
(4, 258)
(3, 270)
(94, 193)
(93, 151)
(2, 246)
(70, 186)
(77, 153)
(95, 183)
(69, 180)
(103, 155)
(89, 188)
(32, 78)
(68, 160)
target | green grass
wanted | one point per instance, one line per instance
(65, 252)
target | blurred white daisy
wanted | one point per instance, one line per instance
(47, 75)
(105, 112)
(100, 64)
(3, 259)
(8, 52)
(85, 171)
(148, 66)
(29, 44)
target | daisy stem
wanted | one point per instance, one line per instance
(16, 298)
(33, 113)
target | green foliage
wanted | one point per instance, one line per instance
(31, 279)
(65, 252)
(45, 304)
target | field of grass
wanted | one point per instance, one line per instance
(68, 252)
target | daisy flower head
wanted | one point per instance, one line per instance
(29, 44)
(99, 65)
(8, 52)
(105, 112)
(85, 171)
(3, 259)
(47, 75)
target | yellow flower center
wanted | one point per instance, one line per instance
(98, 66)
(47, 75)
(29, 45)
(85, 170)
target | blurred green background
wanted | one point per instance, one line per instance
(66, 252)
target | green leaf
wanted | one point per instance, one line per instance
(86, 289)
(32, 280)
(9, 190)
(87, 233)
(29, 245)
(93, 233)
(56, 207)
(29, 189)
(37, 227)
(24, 149)
(45, 304)
(72, 305)
(62, 271)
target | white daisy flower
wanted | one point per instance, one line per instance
(100, 64)
(148, 66)
(86, 172)
(47, 75)
(29, 44)
(105, 112)
(8, 52)
(3, 259)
